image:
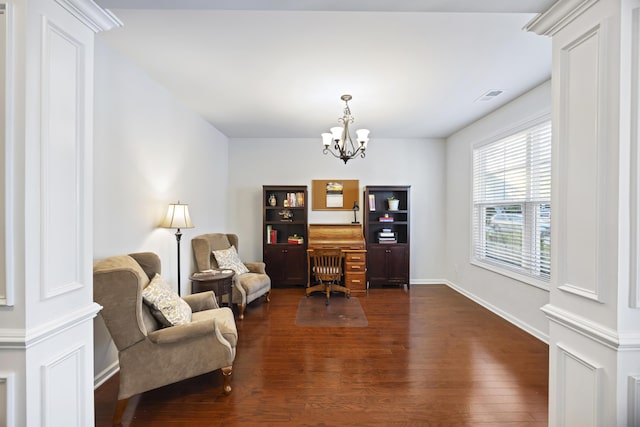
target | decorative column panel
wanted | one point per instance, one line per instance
(46, 336)
(594, 321)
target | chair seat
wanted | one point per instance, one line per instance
(254, 284)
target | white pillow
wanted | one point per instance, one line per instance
(165, 304)
(228, 258)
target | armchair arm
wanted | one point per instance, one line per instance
(184, 332)
(256, 267)
(201, 301)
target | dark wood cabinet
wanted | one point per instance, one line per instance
(284, 233)
(387, 233)
(286, 264)
(388, 264)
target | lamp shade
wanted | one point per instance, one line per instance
(326, 139)
(177, 216)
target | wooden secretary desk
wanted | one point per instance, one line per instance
(350, 240)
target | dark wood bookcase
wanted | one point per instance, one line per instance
(284, 233)
(387, 235)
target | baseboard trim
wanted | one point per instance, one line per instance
(105, 374)
(506, 316)
(427, 282)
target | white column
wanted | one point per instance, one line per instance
(46, 317)
(594, 311)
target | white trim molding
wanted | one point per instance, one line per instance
(592, 330)
(558, 16)
(91, 15)
(105, 374)
(21, 339)
(634, 400)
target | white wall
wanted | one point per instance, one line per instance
(514, 300)
(149, 151)
(416, 162)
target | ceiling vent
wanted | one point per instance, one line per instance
(489, 95)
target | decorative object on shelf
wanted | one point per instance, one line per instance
(393, 203)
(272, 200)
(343, 146)
(355, 208)
(178, 217)
(386, 218)
(286, 215)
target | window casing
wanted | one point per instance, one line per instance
(512, 203)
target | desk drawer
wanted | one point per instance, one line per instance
(354, 267)
(355, 257)
(356, 281)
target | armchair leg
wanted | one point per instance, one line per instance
(120, 408)
(269, 296)
(241, 308)
(226, 373)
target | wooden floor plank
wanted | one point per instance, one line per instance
(429, 356)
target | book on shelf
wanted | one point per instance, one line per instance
(273, 236)
(294, 200)
(386, 234)
(385, 219)
(387, 240)
(372, 202)
(295, 240)
(269, 228)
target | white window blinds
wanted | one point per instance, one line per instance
(512, 202)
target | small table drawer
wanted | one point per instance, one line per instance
(355, 267)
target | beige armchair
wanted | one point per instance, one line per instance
(248, 286)
(152, 356)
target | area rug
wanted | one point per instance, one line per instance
(341, 312)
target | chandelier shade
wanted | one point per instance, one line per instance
(339, 143)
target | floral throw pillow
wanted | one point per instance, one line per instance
(228, 258)
(166, 305)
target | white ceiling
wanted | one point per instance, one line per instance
(277, 69)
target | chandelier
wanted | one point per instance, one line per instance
(339, 142)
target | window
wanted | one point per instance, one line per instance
(512, 202)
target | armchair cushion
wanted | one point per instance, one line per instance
(228, 258)
(165, 304)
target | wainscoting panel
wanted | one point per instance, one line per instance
(62, 157)
(579, 390)
(634, 400)
(581, 164)
(634, 260)
(7, 399)
(6, 154)
(63, 385)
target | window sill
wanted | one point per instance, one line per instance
(512, 274)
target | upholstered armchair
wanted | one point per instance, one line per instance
(247, 287)
(149, 354)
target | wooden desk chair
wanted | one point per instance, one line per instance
(326, 270)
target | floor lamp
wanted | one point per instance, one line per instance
(178, 217)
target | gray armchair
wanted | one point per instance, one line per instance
(247, 287)
(151, 356)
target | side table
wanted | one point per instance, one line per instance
(218, 281)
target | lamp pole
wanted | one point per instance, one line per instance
(178, 237)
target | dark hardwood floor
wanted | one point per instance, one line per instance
(429, 357)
